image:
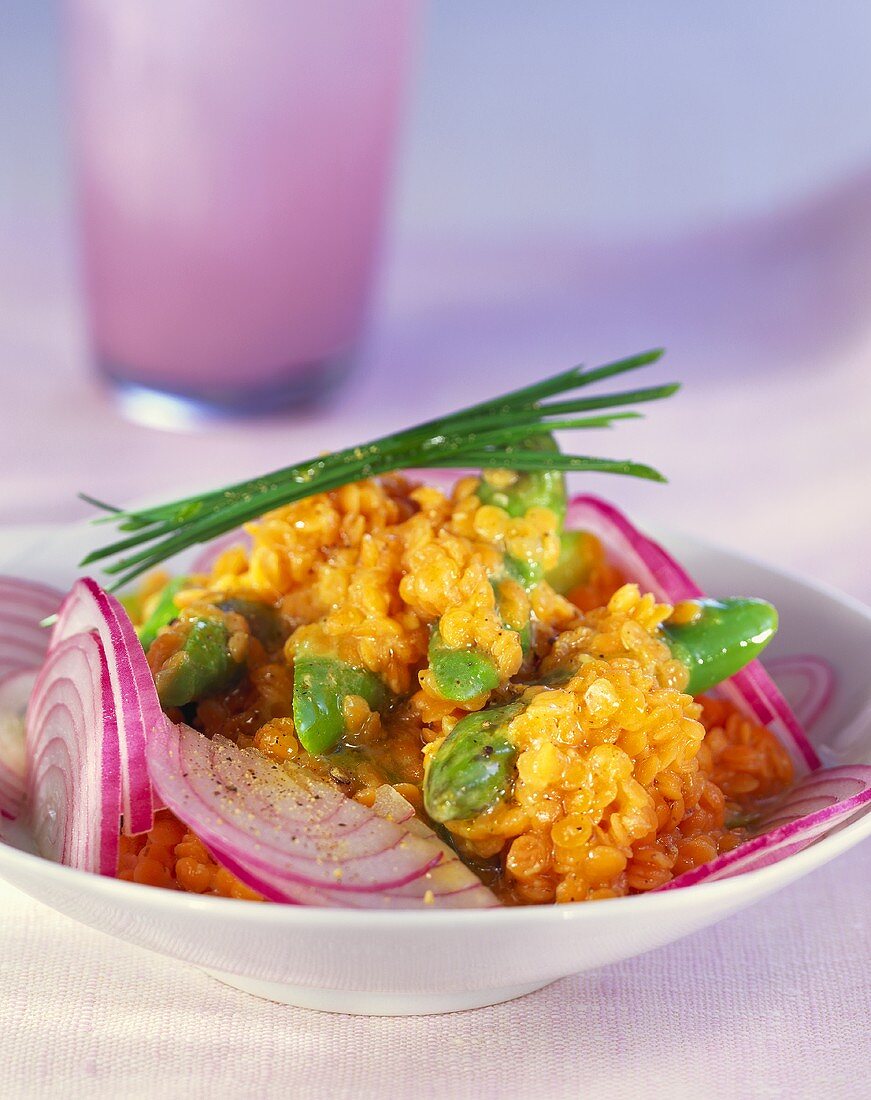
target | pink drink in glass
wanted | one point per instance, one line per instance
(232, 160)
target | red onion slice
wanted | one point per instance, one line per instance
(642, 560)
(287, 829)
(450, 884)
(15, 690)
(23, 606)
(134, 698)
(817, 806)
(807, 682)
(73, 763)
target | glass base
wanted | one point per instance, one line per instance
(168, 406)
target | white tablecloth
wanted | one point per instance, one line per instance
(774, 1002)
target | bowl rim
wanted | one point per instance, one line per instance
(824, 588)
(170, 902)
(657, 901)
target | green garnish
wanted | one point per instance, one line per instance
(487, 435)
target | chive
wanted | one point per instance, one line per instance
(486, 435)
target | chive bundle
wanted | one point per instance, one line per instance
(490, 434)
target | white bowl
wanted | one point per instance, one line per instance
(398, 963)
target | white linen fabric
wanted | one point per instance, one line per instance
(773, 1002)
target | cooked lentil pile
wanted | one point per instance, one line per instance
(618, 780)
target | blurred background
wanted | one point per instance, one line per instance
(570, 182)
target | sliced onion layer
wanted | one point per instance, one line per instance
(15, 689)
(73, 762)
(287, 834)
(286, 824)
(642, 560)
(134, 698)
(450, 884)
(817, 806)
(807, 681)
(23, 606)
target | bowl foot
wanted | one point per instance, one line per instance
(373, 1004)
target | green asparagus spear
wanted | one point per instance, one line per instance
(320, 687)
(463, 674)
(537, 488)
(203, 666)
(263, 620)
(165, 610)
(575, 562)
(473, 768)
(726, 635)
(460, 674)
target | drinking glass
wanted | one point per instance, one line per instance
(232, 160)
